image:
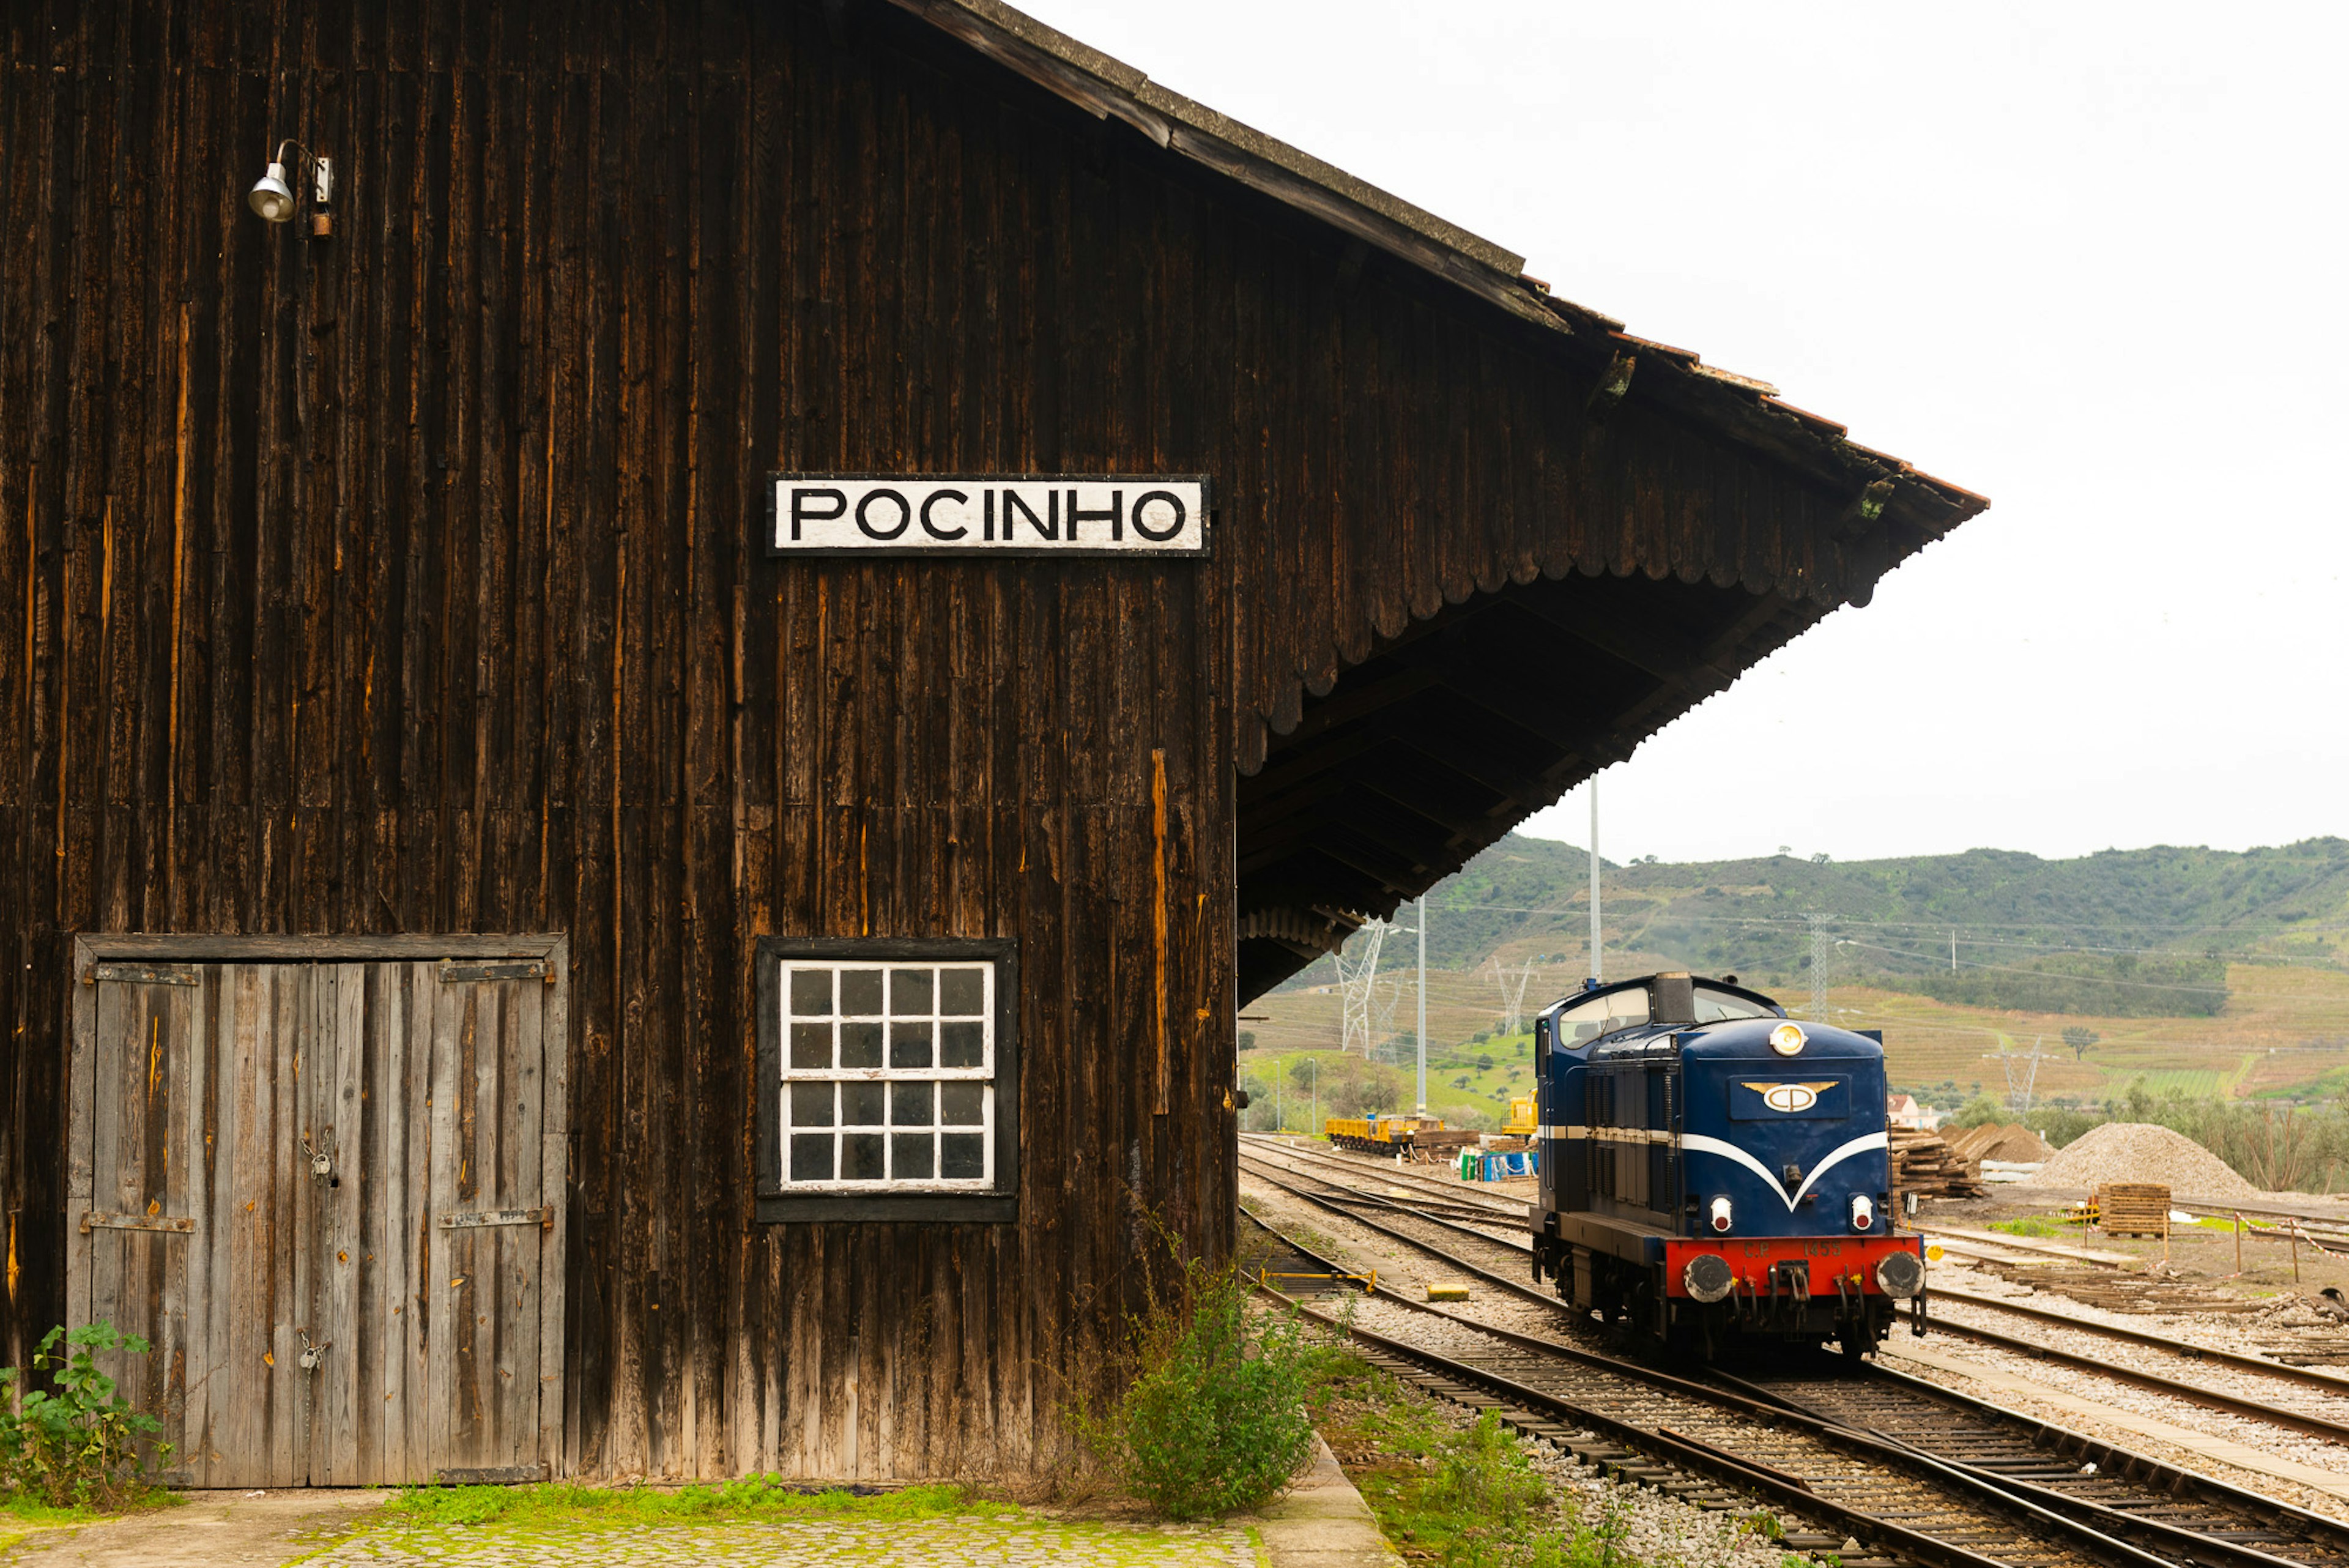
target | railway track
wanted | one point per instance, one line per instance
(1997, 1485)
(1496, 1263)
(1502, 1264)
(1984, 1495)
(1453, 1195)
(2313, 1424)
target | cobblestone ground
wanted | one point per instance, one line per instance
(981, 1543)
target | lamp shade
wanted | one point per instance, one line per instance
(271, 197)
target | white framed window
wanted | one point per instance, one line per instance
(886, 1077)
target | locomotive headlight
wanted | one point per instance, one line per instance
(1786, 1039)
(1863, 1212)
(1718, 1216)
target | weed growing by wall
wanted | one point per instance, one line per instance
(76, 1442)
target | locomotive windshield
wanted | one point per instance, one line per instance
(1603, 1014)
(1628, 1007)
(1714, 1005)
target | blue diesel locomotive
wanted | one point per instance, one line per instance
(1714, 1172)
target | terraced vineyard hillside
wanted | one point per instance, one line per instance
(2207, 971)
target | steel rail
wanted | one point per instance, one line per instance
(1515, 1287)
(2332, 1382)
(2210, 1398)
(2161, 1476)
(1400, 1206)
(2205, 1548)
(2154, 1477)
(1788, 1490)
(2327, 1227)
(1967, 1244)
(1433, 1188)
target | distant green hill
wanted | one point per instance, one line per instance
(2139, 932)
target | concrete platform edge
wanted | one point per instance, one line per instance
(1323, 1522)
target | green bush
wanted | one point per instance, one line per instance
(76, 1443)
(1212, 1419)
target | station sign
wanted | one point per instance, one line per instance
(1025, 514)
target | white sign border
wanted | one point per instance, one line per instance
(990, 550)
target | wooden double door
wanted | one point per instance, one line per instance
(325, 1180)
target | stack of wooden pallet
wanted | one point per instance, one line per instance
(2133, 1208)
(1925, 1164)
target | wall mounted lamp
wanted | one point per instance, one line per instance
(274, 198)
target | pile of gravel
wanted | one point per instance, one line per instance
(2134, 1151)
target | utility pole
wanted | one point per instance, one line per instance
(1420, 1040)
(1818, 968)
(1954, 950)
(1595, 975)
(1313, 1084)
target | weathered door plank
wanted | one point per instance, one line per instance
(341, 1449)
(418, 1262)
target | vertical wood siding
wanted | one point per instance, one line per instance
(406, 582)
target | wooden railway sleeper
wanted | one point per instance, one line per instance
(2193, 1541)
(2104, 1544)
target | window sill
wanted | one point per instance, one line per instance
(924, 1208)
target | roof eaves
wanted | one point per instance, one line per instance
(1742, 407)
(1107, 88)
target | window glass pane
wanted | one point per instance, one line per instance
(962, 991)
(860, 1157)
(812, 1157)
(860, 1104)
(962, 1045)
(910, 1157)
(811, 1045)
(962, 1156)
(867, 1100)
(1586, 1021)
(909, 1105)
(860, 1046)
(909, 1045)
(909, 992)
(961, 1103)
(811, 992)
(1714, 1006)
(860, 993)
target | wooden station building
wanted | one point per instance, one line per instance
(576, 900)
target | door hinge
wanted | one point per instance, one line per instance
(146, 973)
(542, 1218)
(455, 973)
(168, 1224)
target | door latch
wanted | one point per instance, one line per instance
(321, 1159)
(313, 1353)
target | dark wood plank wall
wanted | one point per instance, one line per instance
(405, 582)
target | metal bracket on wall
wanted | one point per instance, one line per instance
(144, 974)
(515, 969)
(542, 1218)
(168, 1224)
(494, 1475)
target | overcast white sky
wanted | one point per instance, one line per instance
(2084, 259)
